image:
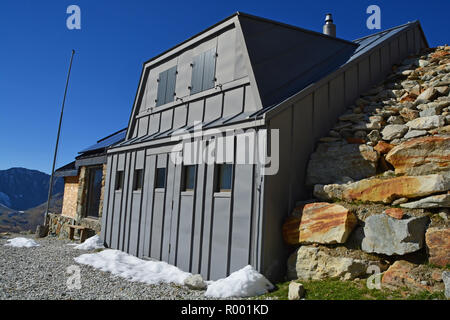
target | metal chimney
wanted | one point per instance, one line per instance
(329, 27)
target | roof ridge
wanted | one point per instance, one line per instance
(387, 30)
(112, 134)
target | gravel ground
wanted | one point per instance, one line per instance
(40, 273)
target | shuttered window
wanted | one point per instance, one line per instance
(166, 86)
(203, 71)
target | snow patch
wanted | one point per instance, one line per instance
(21, 243)
(132, 268)
(246, 282)
(91, 243)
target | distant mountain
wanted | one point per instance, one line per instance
(22, 189)
(16, 221)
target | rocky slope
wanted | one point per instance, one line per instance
(381, 182)
(22, 189)
(18, 221)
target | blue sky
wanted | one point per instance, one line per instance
(116, 37)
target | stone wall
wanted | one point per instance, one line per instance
(82, 193)
(57, 224)
(102, 193)
(69, 208)
(384, 172)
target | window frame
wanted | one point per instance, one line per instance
(119, 182)
(138, 177)
(157, 175)
(184, 187)
(219, 178)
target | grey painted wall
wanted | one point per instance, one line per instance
(303, 122)
(200, 231)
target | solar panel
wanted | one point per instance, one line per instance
(107, 142)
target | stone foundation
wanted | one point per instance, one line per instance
(58, 225)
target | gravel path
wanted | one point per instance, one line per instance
(40, 273)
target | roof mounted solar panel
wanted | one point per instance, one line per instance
(107, 141)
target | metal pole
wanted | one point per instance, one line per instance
(50, 187)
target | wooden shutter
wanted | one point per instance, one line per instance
(162, 84)
(197, 73)
(209, 70)
(170, 87)
(166, 86)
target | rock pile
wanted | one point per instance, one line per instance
(390, 149)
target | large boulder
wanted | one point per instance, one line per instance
(421, 156)
(394, 131)
(446, 279)
(320, 222)
(331, 161)
(426, 96)
(426, 123)
(313, 263)
(438, 245)
(403, 274)
(389, 189)
(386, 235)
(436, 201)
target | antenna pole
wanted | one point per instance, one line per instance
(50, 187)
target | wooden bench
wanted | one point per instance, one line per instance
(83, 232)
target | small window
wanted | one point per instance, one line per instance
(119, 180)
(166, 86)
(138, 179)
(160, 179)
(224, 177)
(189, 178)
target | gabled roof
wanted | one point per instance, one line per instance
(282, 61)
(365, 44)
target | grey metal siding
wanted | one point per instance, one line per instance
(219, 238)
(242, 217)
(198, 221)
(148, 212)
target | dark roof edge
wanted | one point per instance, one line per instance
(250, 16)
(387, 30)
(290, 26)
(269, 112)
(112, 134)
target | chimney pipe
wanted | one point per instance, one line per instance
(329, 27)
